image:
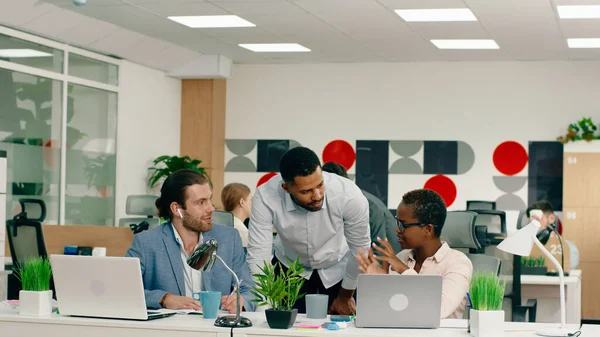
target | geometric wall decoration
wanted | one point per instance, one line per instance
(372, 157)
(341, 152)
(444, 186)
(465, 157)
(406, 149)
(269, 154)
(510, 158)
(440, 157)
(546, 173)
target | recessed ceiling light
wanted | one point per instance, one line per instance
(433, 15)
(212, 21)
(584, 43)
(465, 44)
(578, 12)
(22, 53)
(274, 47)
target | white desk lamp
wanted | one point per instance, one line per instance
(521, 243)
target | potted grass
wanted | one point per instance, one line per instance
(533, 265)
(279, 291)
(487, 294)
(35, 298)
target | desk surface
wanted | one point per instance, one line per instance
(11, 321)
(574, 277)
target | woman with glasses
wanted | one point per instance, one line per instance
(420, 219)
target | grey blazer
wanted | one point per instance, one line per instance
(162, 266)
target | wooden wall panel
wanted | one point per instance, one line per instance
(580, 178)
(203, 128)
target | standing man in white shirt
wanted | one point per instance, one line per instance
(320, 217)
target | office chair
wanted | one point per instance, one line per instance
(143, 205)
(495, 221)
(223, 218)
(460, 233)
(480, 204)
(519, 310)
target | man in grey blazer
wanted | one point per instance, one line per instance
(168, 281)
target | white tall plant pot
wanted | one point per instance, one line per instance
(35, 303)
(487, 323)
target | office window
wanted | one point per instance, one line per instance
(91, 156)
(58, 126)
(30, 54)
(30, 114)
(95, 70)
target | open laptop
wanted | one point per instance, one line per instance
(103, 287)
(398, 301)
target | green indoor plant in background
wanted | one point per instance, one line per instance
(35, 298)
(487, 294)
(584, 129)
(163, 166)
(279, 291)
(533, 265)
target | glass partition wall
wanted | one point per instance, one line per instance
(58, 124)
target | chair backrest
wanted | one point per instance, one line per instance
(25, 239)
(522, 219)
(485, 263)
(459, 230)
(141, 205)
(136, 223)
(495, 221)
(223, 218)
(480, 204)
(33, 209)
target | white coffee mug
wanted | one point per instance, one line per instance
(99, 251)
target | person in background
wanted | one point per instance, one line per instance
(169, 282)
(421, 217)
(237, 199)
(321, 218)
(549, 219)
(381, 220)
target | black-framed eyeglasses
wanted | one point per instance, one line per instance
(403, 226)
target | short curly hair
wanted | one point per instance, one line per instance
(298, 162)
(428, 206)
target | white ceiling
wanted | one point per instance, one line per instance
(335, 30)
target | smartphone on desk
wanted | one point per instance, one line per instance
(340, 318)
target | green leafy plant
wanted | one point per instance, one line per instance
(100, 171)
(584, 129)
(487, 291)
(279, 290)
(34, 274)
(165, 165)
(533, 261)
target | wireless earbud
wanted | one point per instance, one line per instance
(179, 211)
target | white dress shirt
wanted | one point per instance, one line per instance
(239, 225)
(193, 277)
(326, 240)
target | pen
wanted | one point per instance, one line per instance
(235, 289)
(469, 298)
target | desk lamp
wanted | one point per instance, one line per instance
(521, 243)
(203, 258)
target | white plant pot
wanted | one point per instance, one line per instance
(35, 303)
(487, 323)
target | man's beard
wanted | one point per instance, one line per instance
(307, 207)
(196, 224)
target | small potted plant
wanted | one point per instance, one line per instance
(279, 291)
(163, 166)
(533, 266)
(35, 298)
(487, 293)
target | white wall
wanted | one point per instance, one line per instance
(482, 104)
(149, 117)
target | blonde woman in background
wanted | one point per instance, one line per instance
(237, 199)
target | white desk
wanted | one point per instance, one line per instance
(545, 290)
(4, 283)
(12, 324)
(590, 330)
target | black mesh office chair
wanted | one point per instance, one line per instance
(495, 221)
(143, 206)
(480, 204)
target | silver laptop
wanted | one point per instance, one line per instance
(398, 301)
(98, 286)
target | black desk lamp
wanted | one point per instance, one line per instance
(544, 236)
(204, 258)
